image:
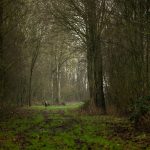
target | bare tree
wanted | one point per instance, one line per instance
(88, 19)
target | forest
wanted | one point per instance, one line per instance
(74, 75)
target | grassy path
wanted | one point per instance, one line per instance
(58, 128)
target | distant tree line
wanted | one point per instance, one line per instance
(38, 60)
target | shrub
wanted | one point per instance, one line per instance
(140, 111)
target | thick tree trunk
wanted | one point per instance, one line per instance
(147, 53)
(98, 78)
(1, 55)
(95, 77)
(147, 67)
(94, 58)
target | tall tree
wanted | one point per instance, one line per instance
(88, 19)
(1, 51)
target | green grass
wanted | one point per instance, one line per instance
(61, 107)
(54, 128)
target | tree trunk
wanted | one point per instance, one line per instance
(52, 86)
(57, 98)
(98, 76)
(94, 58)
(1, 55)
(95, 77)
(147, 53)
(30, 88)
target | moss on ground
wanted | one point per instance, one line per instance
(58, 128)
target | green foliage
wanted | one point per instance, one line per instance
(140, 108)
(60, 107)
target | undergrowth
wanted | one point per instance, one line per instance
(38, 128)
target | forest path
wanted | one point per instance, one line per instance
(40, 128)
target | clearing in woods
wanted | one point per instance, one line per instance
(63, 128)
